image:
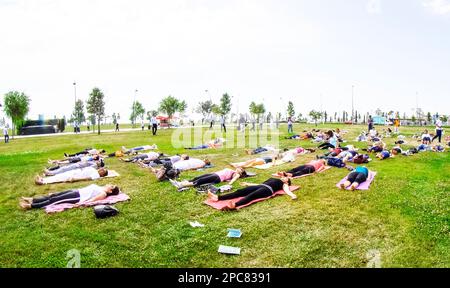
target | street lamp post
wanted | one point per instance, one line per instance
(134, 105)
(353, 107)
(75, 92)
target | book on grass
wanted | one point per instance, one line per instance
(234, 233)
(229, 250)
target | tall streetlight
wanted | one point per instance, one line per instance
(75, 91)
(134, 104)
(353, 107)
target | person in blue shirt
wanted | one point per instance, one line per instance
(354, 179)
(384, 155)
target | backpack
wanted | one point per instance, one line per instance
(335, 162)
(104, 211)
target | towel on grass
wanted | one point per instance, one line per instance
(362, 186)
(55, 208)
(326, 168)
(221, 204)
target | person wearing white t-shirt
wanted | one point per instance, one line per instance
(84, 174)
(154, 123)
(78, 197)
(151, 156)
(170, 170)
(438, 131)
(5, 133)
(426, 137)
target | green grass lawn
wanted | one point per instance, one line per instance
(405, 215)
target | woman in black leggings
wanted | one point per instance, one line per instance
(254, 191)
(307, 169)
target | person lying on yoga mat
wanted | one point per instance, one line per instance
(213, 178)
(347, 156)
(309, 168)
(354, 179)
(88, 173)
(331, 142)
(332, 152)
(86, 152)
(213, 144)
(384, 155)
(80, 165)
(151, 156)
(72, 160)
(78, 197)
(304, 136)
(135, 150)
(254, 192)
(259, 150)
(163, 161)
(254, 162)
(377, 147)
(171, 171)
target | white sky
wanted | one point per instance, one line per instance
(310, 52)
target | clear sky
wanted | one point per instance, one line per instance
(310, 52)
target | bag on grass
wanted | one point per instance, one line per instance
(336, 162)
(105, 211)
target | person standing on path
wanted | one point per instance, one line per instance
(117, 127)
(5, 133)
(154, 123)
(370, 122)
(222, 124)
(290, 126)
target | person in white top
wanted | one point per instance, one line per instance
(151, 156)
(426, 137)
(5, 133)
(154, 123)
(172, 170)
(88, 173)
(86, 152)
(78, 197)
(438, 131)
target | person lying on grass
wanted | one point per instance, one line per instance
(86, 152)
(377, 147)
(151, 156)
(384, 155)
(260, 150)
(212, 178)
(397, 151)
(79, 197)
(213, 144)
(309, 168)
(171, 171)
(52, 171)
(254, 192)
(304, 136)
(77, 175)
(354, 179)
(138, 149)
(438, 148)
(163, 161)
(72, 160)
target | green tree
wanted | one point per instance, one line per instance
(315, 115)
(444, 119)
(205, 108)
(96, 106)
(151, 113)
(290, 109)
(170, 105)
(257, 110)
(137, 111)
(16, 106)
(225, 104)
(78, 115)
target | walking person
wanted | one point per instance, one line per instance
(290, 126)
(438, 131)
(222, 124)
(154, 123)
(5, 133)
(117, 127)
(370, 122)
(211, 124)
(142, 125)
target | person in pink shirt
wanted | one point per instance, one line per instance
(311, 167)
(213, 178)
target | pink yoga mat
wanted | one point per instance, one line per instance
(362, 186)
(108, 201)
(326, 168)
(221, 204)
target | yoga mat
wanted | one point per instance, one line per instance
(362, 186)
(111, 174)
(55, 208)
(298, 177)
(221, 204)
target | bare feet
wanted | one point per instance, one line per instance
(38, 180)
(342, 186)
(212, 196)
(25, 206)
(354, 187)
(27, 200)
(231, 205)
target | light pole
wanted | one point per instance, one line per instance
(134, 105)
(75, 92)
(353, 107)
